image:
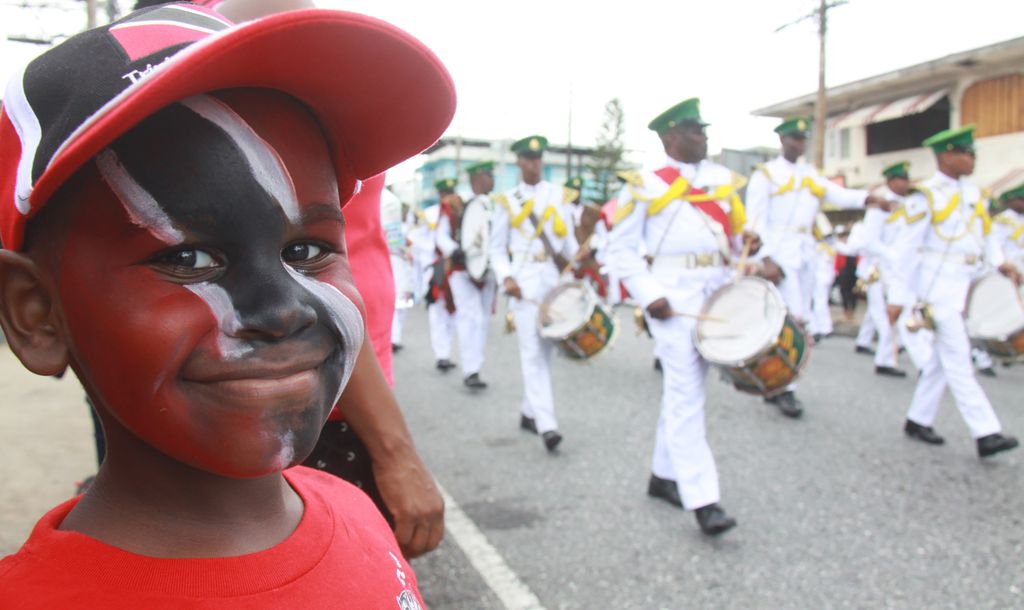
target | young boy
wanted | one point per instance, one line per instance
(171, 214)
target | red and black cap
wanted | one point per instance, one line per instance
(380, 95)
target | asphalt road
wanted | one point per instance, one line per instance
(837, 510)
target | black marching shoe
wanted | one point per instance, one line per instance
(528, 423)
(474, 382)
(665, 489)
(890, 371)
(444, 365)
(551, 440)
(987, 371)
(713, 520)
(788, 404)
(925, 433)
(994, 443)
(396, 347)
(860, 349)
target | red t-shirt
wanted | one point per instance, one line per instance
(342, 555)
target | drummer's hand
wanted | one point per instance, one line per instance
(874, 201)
(660, 309)
(512, 288)
(771, 271)
(752, 241)
(1011, 272)
(893, 311)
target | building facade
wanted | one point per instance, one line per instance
(883, 119)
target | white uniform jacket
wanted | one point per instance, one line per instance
(783, 200)
(946, 238)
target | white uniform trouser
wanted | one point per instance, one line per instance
(887, 350)
(950, 364)
(397, 321)
(797, 288)
(442, 329)
(681, 451)
(866, 332)
(821, 312)
(535, 279)
(472, 314)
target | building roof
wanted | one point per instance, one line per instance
(921, 78)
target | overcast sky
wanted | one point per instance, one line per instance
(517, 64)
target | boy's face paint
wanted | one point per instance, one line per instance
(216, 320)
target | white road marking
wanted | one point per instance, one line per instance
(513, 593)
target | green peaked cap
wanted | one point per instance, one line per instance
(686, 111)
(1016, 192)
(897, 170)
(530, 145)
(951, 139)
(480, 167)
(795, 125)
(446, 184)
(574, 183)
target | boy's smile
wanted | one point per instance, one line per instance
(213, 307)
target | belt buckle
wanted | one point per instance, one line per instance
(704, 260)
(970, 259)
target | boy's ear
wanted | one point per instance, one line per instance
(29, 317)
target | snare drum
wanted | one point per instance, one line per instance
(995, 316)
(746, 330)
(573, 316)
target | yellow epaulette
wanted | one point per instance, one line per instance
(569, 194)
(502, 200)
(897, 214)
(631, 177)
(929, 198)
(738, 180)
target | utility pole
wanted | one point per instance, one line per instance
(820, 111)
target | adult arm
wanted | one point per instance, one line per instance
(404, 482)
(623, 254)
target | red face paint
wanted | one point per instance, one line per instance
(225, 351)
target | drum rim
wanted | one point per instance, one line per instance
(981, 279)
(558, 289)
(697, 329)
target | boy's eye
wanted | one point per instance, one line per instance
(302, 253)
(189, 259)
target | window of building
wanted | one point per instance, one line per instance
(908, 131)
(844, 143)
(995, 105)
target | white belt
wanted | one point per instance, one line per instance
(689, 260)
(529, 257)
(959, 258)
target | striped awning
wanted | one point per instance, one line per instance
(886, 111)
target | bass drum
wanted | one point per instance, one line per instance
(995, 316)
(746, 330)
(573, 316)
(476, 238)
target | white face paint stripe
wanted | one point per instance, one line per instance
(345, 316)
(228, 320)
(265, 164)
(142, 208)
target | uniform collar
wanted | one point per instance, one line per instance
(686, 170)
(944, 180)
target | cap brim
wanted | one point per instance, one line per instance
(380, 95)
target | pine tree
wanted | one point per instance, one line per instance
(609, 150)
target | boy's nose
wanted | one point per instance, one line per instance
(274, 308)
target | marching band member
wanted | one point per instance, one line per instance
(532, 242)
(686, 215)
(473, 298)
(946, 236)
(783, 198)
(1009, 226)
(425, 258)
(874, 238)
(820, 325)
(392, 220)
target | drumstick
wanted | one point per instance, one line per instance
(745, 253)
(699, 316)
(569, 265)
